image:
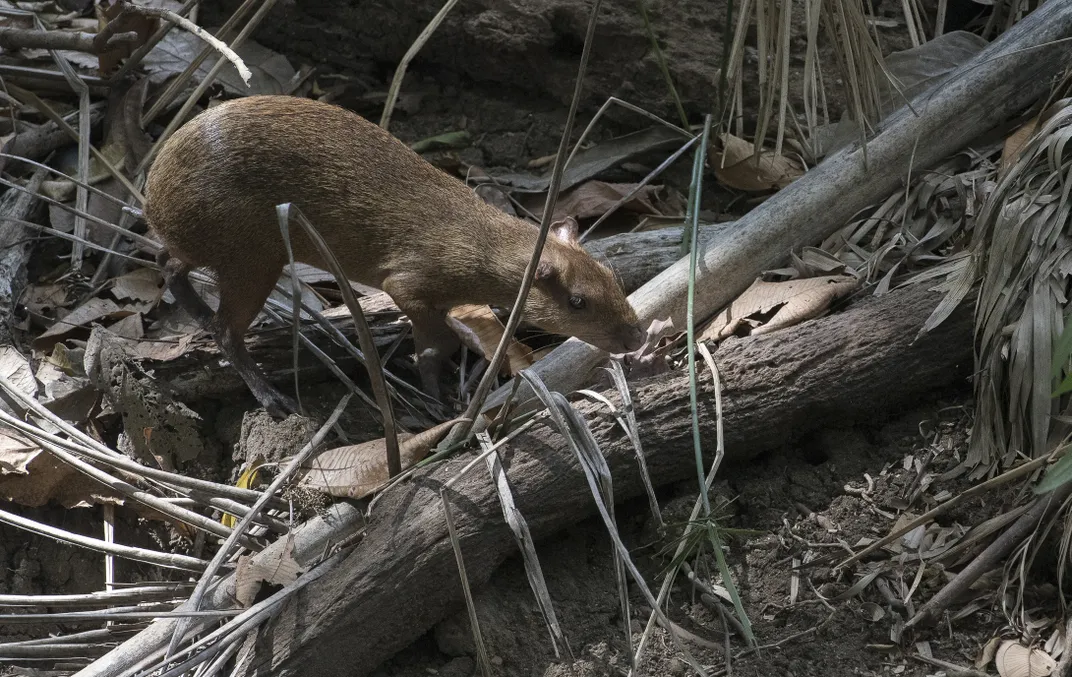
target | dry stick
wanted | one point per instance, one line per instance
(194, 97)
(134, 59)
(169, 560)
(177, 83)
(491, 375)
(268, 494)
(190, 26)
(84, 145)
(138, 594)
(364, 333)
(400, 72)
(121, 462)
(989, 558)
(26, 38)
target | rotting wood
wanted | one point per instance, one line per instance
(402, 579)
(1006, 77)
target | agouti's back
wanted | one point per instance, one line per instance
(212, 192)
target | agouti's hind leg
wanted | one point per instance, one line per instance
(241, 298)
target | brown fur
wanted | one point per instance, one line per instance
(393, 221)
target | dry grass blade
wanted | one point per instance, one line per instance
(169, 560)
(225, 550)
(516, 521)
(470, 606)
(364, 333)
(116, 485)
(212, 644)
(579, 437)
(626, 417)
(400, 72)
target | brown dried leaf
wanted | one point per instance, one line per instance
(737, 167)
(93, 310)
(791, 302)
(143, 284)
(487, 330)
(32, 477)
(1016, 141)
(358, 470)
(16, 369)
(592, 199)
(282, 570)
(1016, 660)
(646, 361)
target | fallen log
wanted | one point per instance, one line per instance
(1006, 77)
(402, 579)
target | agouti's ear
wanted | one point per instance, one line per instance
(565, 230)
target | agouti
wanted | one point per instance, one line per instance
(393, 220)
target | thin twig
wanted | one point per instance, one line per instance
(190, 26)
(27, 38)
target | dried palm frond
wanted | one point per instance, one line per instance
(1022, 251)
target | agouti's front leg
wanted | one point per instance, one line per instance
(432, 338)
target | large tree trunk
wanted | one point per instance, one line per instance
(402, 578)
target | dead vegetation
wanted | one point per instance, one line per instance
(844, 269)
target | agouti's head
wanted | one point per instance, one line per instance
(575, 295)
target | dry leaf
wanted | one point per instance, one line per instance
(16, 369)
(737, 167)
(281, 570)
(93, 310)
(272, 71)
(592, 199)
(646, 361)
(32, 477)
(1015, 143)
(486, 329)
(358, 470)
(787, 303)
(1016, 660)
(143, 284)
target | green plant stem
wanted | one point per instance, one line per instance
(693, 219)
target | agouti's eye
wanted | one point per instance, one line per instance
(577, 302)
